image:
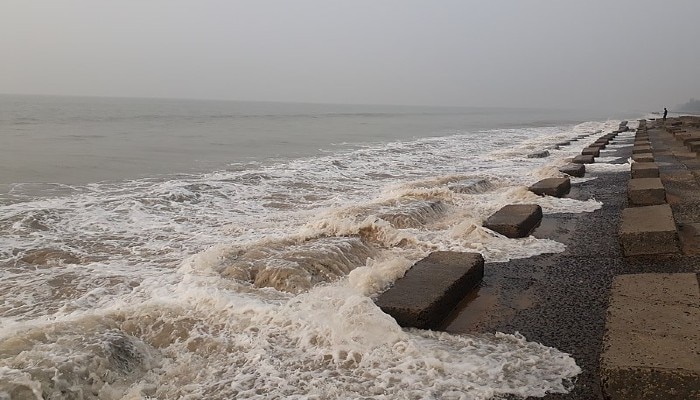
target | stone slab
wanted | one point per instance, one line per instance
(643, 157)
(645, 192)
(577, 170)
(690, 138)
(644, 170)
(556, 187)
(694, 146)
(515, 220)
(431, 288)
(648, 230)
(564, 143)
(591, 151)
(539, 154)
(651, 347)
(641, 149)
(581, 159)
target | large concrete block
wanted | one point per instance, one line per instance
(581, 159)
(591, 151)
(690, 138)
(564, 143)
(648, 230)
(643, 157)
(432, 288)
(515, 220)
(651, 347)
(539, 154)
(644, 170)
(577, 170)
(555, 187)
(694, 146)
(639, 149)
(645, 192)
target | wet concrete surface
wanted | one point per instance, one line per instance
(560, 300)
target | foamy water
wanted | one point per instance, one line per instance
(257, 281)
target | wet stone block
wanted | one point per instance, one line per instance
(643, 157)
(591, 151)
(556, 187)
(645, 170)
(577, 170)
(694, 146)
(539, 154)
(645, 192)
(431, 288)
(581, 159)
(638, 149)
(651, 347)
(648, 230)
(515, 220)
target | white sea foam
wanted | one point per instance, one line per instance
(257, 281)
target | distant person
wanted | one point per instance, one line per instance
(665, 112)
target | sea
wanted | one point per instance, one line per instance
(192, 249)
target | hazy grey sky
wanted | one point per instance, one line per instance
(620, 54)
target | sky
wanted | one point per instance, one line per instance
(620, 54)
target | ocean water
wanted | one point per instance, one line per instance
(215, 250)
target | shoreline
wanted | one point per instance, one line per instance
(561, 300)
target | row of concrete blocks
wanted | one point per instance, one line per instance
(589, 153)
(647, 225)
(433, 286)
(691, 140)
(651, 344)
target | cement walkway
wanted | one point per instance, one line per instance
(561, 300)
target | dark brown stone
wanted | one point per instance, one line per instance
(555, 187)
(515, 220)
(645, 170)
(539, 154)
(577, 170)
(431, 288)
(591, 151)
(581, 159)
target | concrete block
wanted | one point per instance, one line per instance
(515, 220)
(645, 170)
(577, 170)
(690, 138)
(643, 157)
(651, 347)
(648, 230)
(599, 146)
(556, 187)
(694, 146)
(564, 143)
(431, 288)
(645, 192)
(641, 149)
(591, 151)
(539, 154)
(581, 159)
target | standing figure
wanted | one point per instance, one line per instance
(665, 112)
